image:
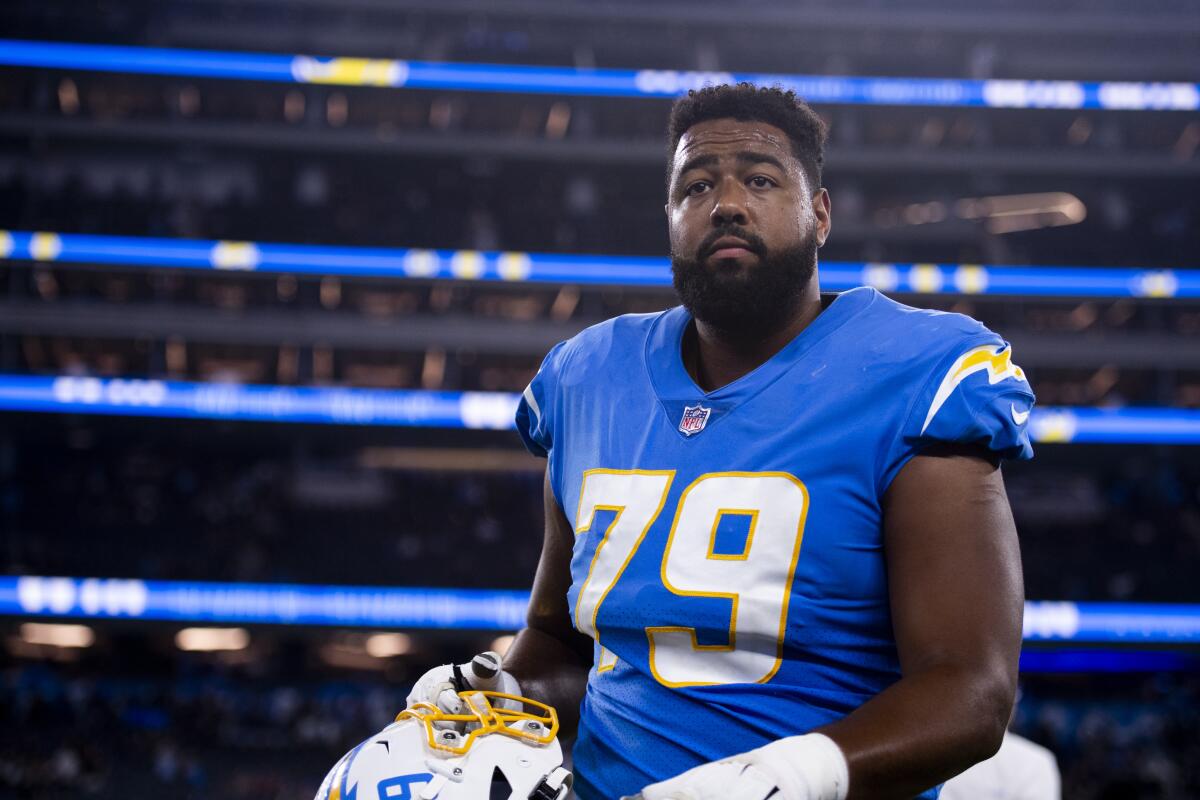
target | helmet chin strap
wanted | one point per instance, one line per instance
(554, 786)
(459, 680)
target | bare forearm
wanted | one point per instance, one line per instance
(922, 730)
(954, 578)
(550, 671)
(549, 658)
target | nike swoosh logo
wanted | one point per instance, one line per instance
(1019, 417)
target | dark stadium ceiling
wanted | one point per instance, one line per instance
(1028, 17)
(1021, 40)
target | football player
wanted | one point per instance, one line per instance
(778, 560)
(1020, 770)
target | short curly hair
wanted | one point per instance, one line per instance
(746, 102)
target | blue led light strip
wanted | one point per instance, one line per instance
(1115, 425)
(1122, 659)
(609, 82)
(486, 609)
(207, 254)
(1135, 623)
(474, 410)
(287, 604)
(310, 404)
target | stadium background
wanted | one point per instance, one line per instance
(273, 271)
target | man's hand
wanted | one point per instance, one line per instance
(728, 780)
(441, 685)
(807, 767)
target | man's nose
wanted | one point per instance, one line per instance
(730, 205)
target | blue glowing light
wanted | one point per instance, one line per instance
(473, 410)
(395, 74)
(559, 268)
(476, 609)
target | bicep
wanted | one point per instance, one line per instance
(954, 565)
(549, 611)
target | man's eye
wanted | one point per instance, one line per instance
(696, 188)
(761, 182)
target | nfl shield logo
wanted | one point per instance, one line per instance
(694, 419)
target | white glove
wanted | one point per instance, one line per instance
(727, 780)
(809, 767)
(485, 672)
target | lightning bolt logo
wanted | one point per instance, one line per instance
(995, 360)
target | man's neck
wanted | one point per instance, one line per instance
(715, 359)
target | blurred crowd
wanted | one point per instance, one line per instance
(466, 172)
(1125, 527)
(329, 331)
(208, 732)
(1128, 738)
(211, 501)
(259, 733)
(159, 513)
(144, 155)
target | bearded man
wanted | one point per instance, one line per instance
(779, 560)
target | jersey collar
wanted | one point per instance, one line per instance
(675, 387)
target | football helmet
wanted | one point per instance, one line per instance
(489, 750)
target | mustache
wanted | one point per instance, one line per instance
(753, 243)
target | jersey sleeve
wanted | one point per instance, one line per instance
(977, 396)
(536, 409)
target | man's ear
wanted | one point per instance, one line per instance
(821, 210)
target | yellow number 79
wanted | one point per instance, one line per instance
(757, 581)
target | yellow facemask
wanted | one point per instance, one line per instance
(481, 718)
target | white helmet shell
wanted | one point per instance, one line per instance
(488, 752)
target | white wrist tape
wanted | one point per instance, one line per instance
(808, 767)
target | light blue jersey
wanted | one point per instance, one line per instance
(728, 556)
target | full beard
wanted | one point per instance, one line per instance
(745, 303)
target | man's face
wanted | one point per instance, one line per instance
(744, 225)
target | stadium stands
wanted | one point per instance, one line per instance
(340, 154)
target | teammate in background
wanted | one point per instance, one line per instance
(779, 560)
(1020, 770)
